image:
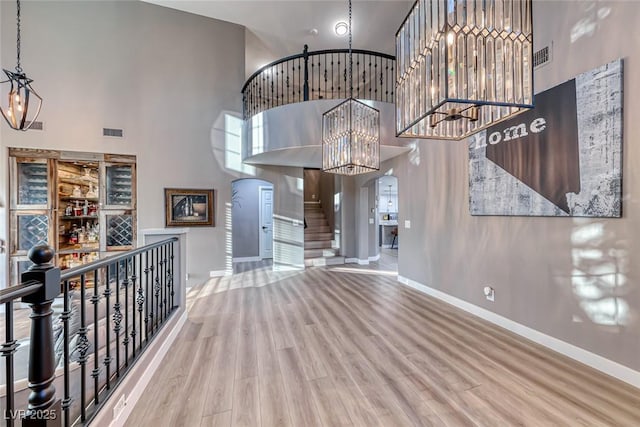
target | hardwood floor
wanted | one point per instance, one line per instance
(350, 346)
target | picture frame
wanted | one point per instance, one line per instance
(189, 207)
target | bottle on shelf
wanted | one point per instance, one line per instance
(69, 210)
(85, 208)
(73, 236)
(77, 192)
(77, 210)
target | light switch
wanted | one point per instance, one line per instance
(407, 223)
(370, 220)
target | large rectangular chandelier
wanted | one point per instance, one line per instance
(351, 133)
(351, 138)
(463, 65)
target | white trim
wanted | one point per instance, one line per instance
(218, 273)
(356, 261)
(247, 259)
(262, 249)
(593, 360)
(143, 380)
(374, 258)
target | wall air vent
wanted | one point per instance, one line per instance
(541, 57)
(37, 126)
(116, 133)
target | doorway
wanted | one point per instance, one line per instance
(385, 230)
(251, 224)
(266, 221)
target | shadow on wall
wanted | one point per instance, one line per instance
(226, 144)
(598, 279)
(594, 13)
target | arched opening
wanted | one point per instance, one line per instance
(251, 224)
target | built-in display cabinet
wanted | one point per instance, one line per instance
(81, 204)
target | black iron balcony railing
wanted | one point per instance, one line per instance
(89, 325)
(317, 75)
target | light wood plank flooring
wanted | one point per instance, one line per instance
(352, 347)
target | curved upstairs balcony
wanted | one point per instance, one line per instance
(283, 103)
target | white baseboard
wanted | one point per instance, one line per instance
(593, 360)
(218, 273)
(374, 258)
(247, 259)
(141, 381)
(356, 261)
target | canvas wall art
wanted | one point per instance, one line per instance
(561, 158)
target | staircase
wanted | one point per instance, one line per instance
(318, 237)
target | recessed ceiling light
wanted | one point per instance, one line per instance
(341, 28)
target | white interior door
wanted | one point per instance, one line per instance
(266, 222)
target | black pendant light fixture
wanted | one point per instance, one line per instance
(23, 103)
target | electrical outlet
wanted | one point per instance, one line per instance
(119, 406)
(489, 293)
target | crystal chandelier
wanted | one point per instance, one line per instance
(351, 133)
(24, 103)
(463, 65)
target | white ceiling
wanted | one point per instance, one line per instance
(283, 27)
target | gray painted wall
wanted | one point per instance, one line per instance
(245, 212)
(575, 279)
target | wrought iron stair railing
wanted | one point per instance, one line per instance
(89, 325)
(318, 75)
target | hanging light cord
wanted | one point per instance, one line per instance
(350, 56)
(18, 67)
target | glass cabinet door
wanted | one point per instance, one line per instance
(30, 189)
(119, 230)
(119, 186)
(28, 229)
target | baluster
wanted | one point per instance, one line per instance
(148, 298)
(95, 299)
(107, 326)
(386, 92)
(133, 306)
(165, 282)
(171, 275)
(160, 293)
(65, 317)
(305, 54)
(117, 319)
(154, 298)
(333, 83)
(140, 300)
(125, 284)
(83, 347)
(357, 74)
(8, 349)
(373, 76)
(156, 289)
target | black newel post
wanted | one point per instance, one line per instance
(305, 87)
(44, 409)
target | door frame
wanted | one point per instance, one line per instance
(261, 243)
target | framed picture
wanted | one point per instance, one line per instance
(189, 208)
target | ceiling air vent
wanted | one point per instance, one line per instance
(117, 133)
(541, 57)
(37, 126)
